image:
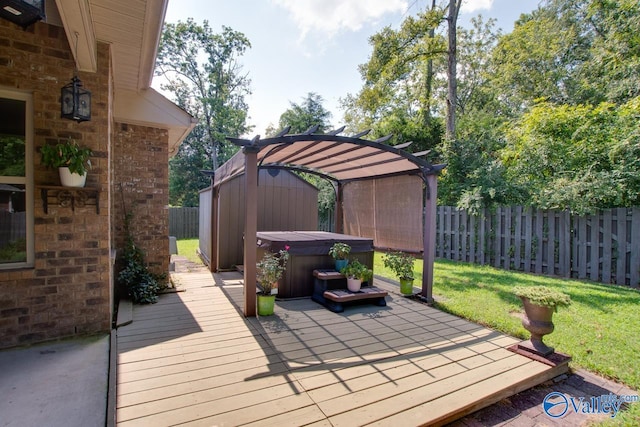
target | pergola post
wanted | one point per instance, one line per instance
(429, 238)
(250, 228)
(338, 213)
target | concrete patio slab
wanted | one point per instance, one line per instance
(61, 383)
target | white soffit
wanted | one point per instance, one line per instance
(150, 108)
(78, 25)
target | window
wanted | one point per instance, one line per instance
(16, 180)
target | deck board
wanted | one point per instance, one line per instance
(194, 359)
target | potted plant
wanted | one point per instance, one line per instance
(540, 302)
(269, 270)
(402, 265)
(356, 273)
(71, 160)
(340, 253)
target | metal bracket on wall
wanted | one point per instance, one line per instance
(69, 196)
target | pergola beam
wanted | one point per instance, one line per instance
(301, 158)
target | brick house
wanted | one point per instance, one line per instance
(61, 283)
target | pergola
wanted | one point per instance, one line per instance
(340, 159)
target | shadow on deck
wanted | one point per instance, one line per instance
(403, 364)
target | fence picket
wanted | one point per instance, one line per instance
(528, 240)
(596, 243)
(634, 248)
(603, 247)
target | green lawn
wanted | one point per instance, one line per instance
(599, 330)
(188, 248)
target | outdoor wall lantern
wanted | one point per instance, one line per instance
(75, 102)
(22, 12)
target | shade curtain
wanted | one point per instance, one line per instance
(387, 210)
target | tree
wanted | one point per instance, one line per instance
(309, 113)
(452, 82)
(301, 117)
(202, 72)
(397, 94)
(577, 157)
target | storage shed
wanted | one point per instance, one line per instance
(286, 202)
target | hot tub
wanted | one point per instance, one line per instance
(308, 251)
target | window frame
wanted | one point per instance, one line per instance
(27, 180)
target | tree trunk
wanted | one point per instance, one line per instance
(452, 95)
(429, 79)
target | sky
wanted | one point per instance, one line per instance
(302, 46)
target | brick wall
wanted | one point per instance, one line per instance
(141, 187)
(69, 291)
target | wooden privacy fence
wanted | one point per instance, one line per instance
(183, 223)
(604, 247)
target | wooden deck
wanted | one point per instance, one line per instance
(193, 359)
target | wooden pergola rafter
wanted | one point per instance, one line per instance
(340, 159)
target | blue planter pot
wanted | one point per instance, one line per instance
(341, 263)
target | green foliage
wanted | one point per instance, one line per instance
(14, 251)
(11, 156)
(141, 285)
(400, 263)
(543, 296)
(309, 113)
(356, 270)
(189, 249)
(67, 154)
(202, 72)
(340, 250)
(577, 157)
(271, 268)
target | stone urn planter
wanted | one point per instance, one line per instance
(539, 304)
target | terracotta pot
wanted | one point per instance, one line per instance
(538, 322)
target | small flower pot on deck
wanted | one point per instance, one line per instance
(266, 304)
(354, 284)
(406, 286)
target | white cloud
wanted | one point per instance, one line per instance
(470, 6)
(333, 16)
